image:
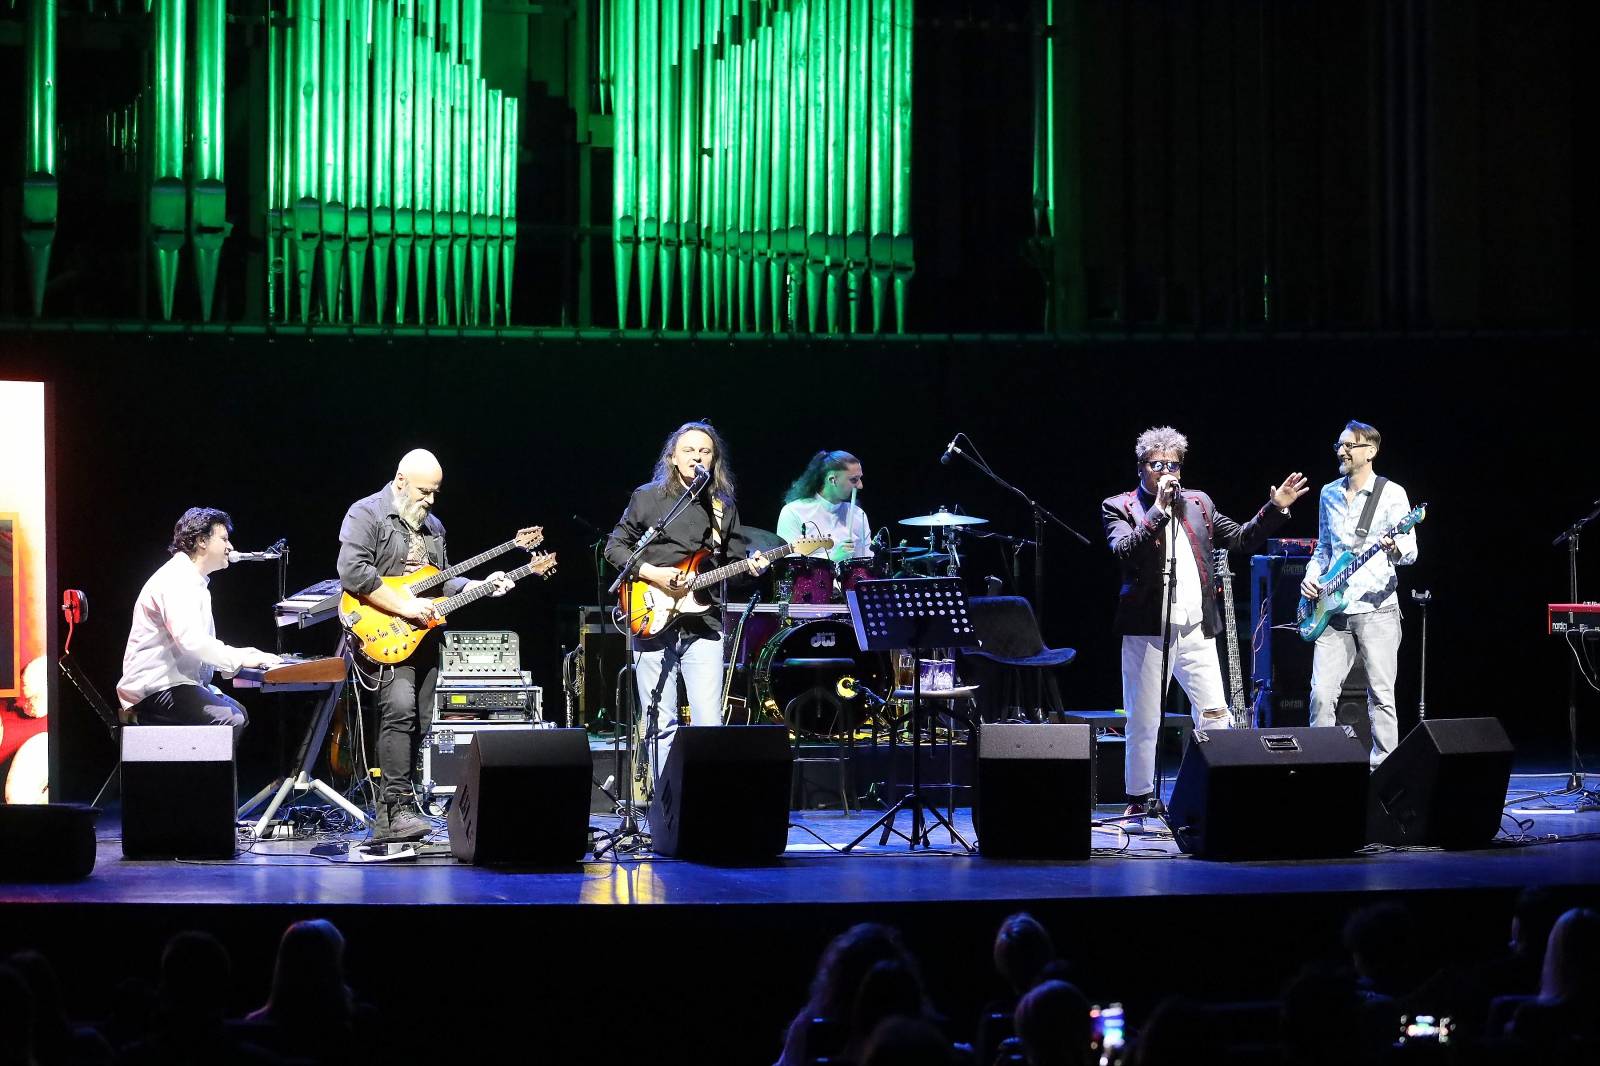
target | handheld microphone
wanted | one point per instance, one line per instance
(253, 557)
(949, 450)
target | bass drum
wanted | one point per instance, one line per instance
(798, 671)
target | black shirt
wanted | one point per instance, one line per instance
(690, 532)
(374, 542)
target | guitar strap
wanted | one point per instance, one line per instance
(1364, 526)
(716, 525)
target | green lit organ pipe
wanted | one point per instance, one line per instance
(405, 162)
(358, 198)
(208, 206)
(508, 189)
(625, 220)
(383, 154)
(40, 195)
(494, 228)
(306, 226)
(168, 206)
(422, 144)
(334, 162)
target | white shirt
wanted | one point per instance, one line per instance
(173, 640)
(1187, 608)
(817, 517)
(1375, 585)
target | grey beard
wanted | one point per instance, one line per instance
(413, 513)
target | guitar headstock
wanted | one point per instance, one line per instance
(543, 564)
(1417, 514)
(530, 537)
(811, 545)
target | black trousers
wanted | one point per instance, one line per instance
(190, 705)
(405, 712)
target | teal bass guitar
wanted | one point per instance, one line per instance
(1313, 616)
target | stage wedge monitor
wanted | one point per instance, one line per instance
(179, 796)
(724, 794)
(1271, 794)
(1443, 786)
(1033, 798)
(523, 798)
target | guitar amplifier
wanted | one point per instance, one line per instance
(601, 653)
(479, 653)
(1277, 659)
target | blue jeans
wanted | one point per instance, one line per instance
(1375, 637)
(694, 652)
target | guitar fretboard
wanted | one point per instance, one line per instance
(457, 569)
(721, 573)
(444, 608)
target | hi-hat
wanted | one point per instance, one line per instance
(942, 517)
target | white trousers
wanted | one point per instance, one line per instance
(1192, 659)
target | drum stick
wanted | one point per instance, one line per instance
(850, 526)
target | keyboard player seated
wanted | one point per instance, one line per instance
(173, 650)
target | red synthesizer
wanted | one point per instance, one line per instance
(1554, 625)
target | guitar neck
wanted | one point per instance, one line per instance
(462, 567)
(1361, 560)
(722, 573)
(1235, 678)
(445, 608)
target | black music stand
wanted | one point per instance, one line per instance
(915, 613)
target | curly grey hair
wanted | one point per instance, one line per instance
(1160, 439)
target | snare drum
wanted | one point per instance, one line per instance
(799, 668)
(808, 579)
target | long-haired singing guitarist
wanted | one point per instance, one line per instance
(1352, 511)
(704, 536)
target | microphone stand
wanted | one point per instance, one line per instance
(1040, 514)
(1169, 593)
(1569, 537)
(628, 828)
(599, 559)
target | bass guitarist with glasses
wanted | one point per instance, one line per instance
(1367, 627)
(674, 620)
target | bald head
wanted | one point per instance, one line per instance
(419, 463)
(416, 485)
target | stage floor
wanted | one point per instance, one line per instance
(1559, 847)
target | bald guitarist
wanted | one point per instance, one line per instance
(388, 534)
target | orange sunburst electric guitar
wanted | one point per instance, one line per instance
(650, 609)
(387, 638)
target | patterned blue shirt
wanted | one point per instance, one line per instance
(1375, 585)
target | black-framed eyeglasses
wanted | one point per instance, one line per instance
(1348, 445)
(1171, 466)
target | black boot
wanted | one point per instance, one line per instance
(399, 820)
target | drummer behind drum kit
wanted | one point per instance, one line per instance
(799, 656)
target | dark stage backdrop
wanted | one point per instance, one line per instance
(285, 433)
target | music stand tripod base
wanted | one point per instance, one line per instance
(912, 613)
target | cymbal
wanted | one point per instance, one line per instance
(760, 539)
(944, 518)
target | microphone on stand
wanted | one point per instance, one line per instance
(253, 557)
(949, 450)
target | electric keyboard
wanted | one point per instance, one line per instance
(1571, 624)
(293, 675)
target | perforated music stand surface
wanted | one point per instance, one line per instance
(911, 612)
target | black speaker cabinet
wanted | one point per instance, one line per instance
(179, 795)
(46, 841)
(523, 798)
(1444, 786)
(1033, 797)
(724, 794)
(1270, 794)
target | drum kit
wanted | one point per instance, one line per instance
(798, 652)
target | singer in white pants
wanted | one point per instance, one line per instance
(1192, 659)
(1162, 532)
